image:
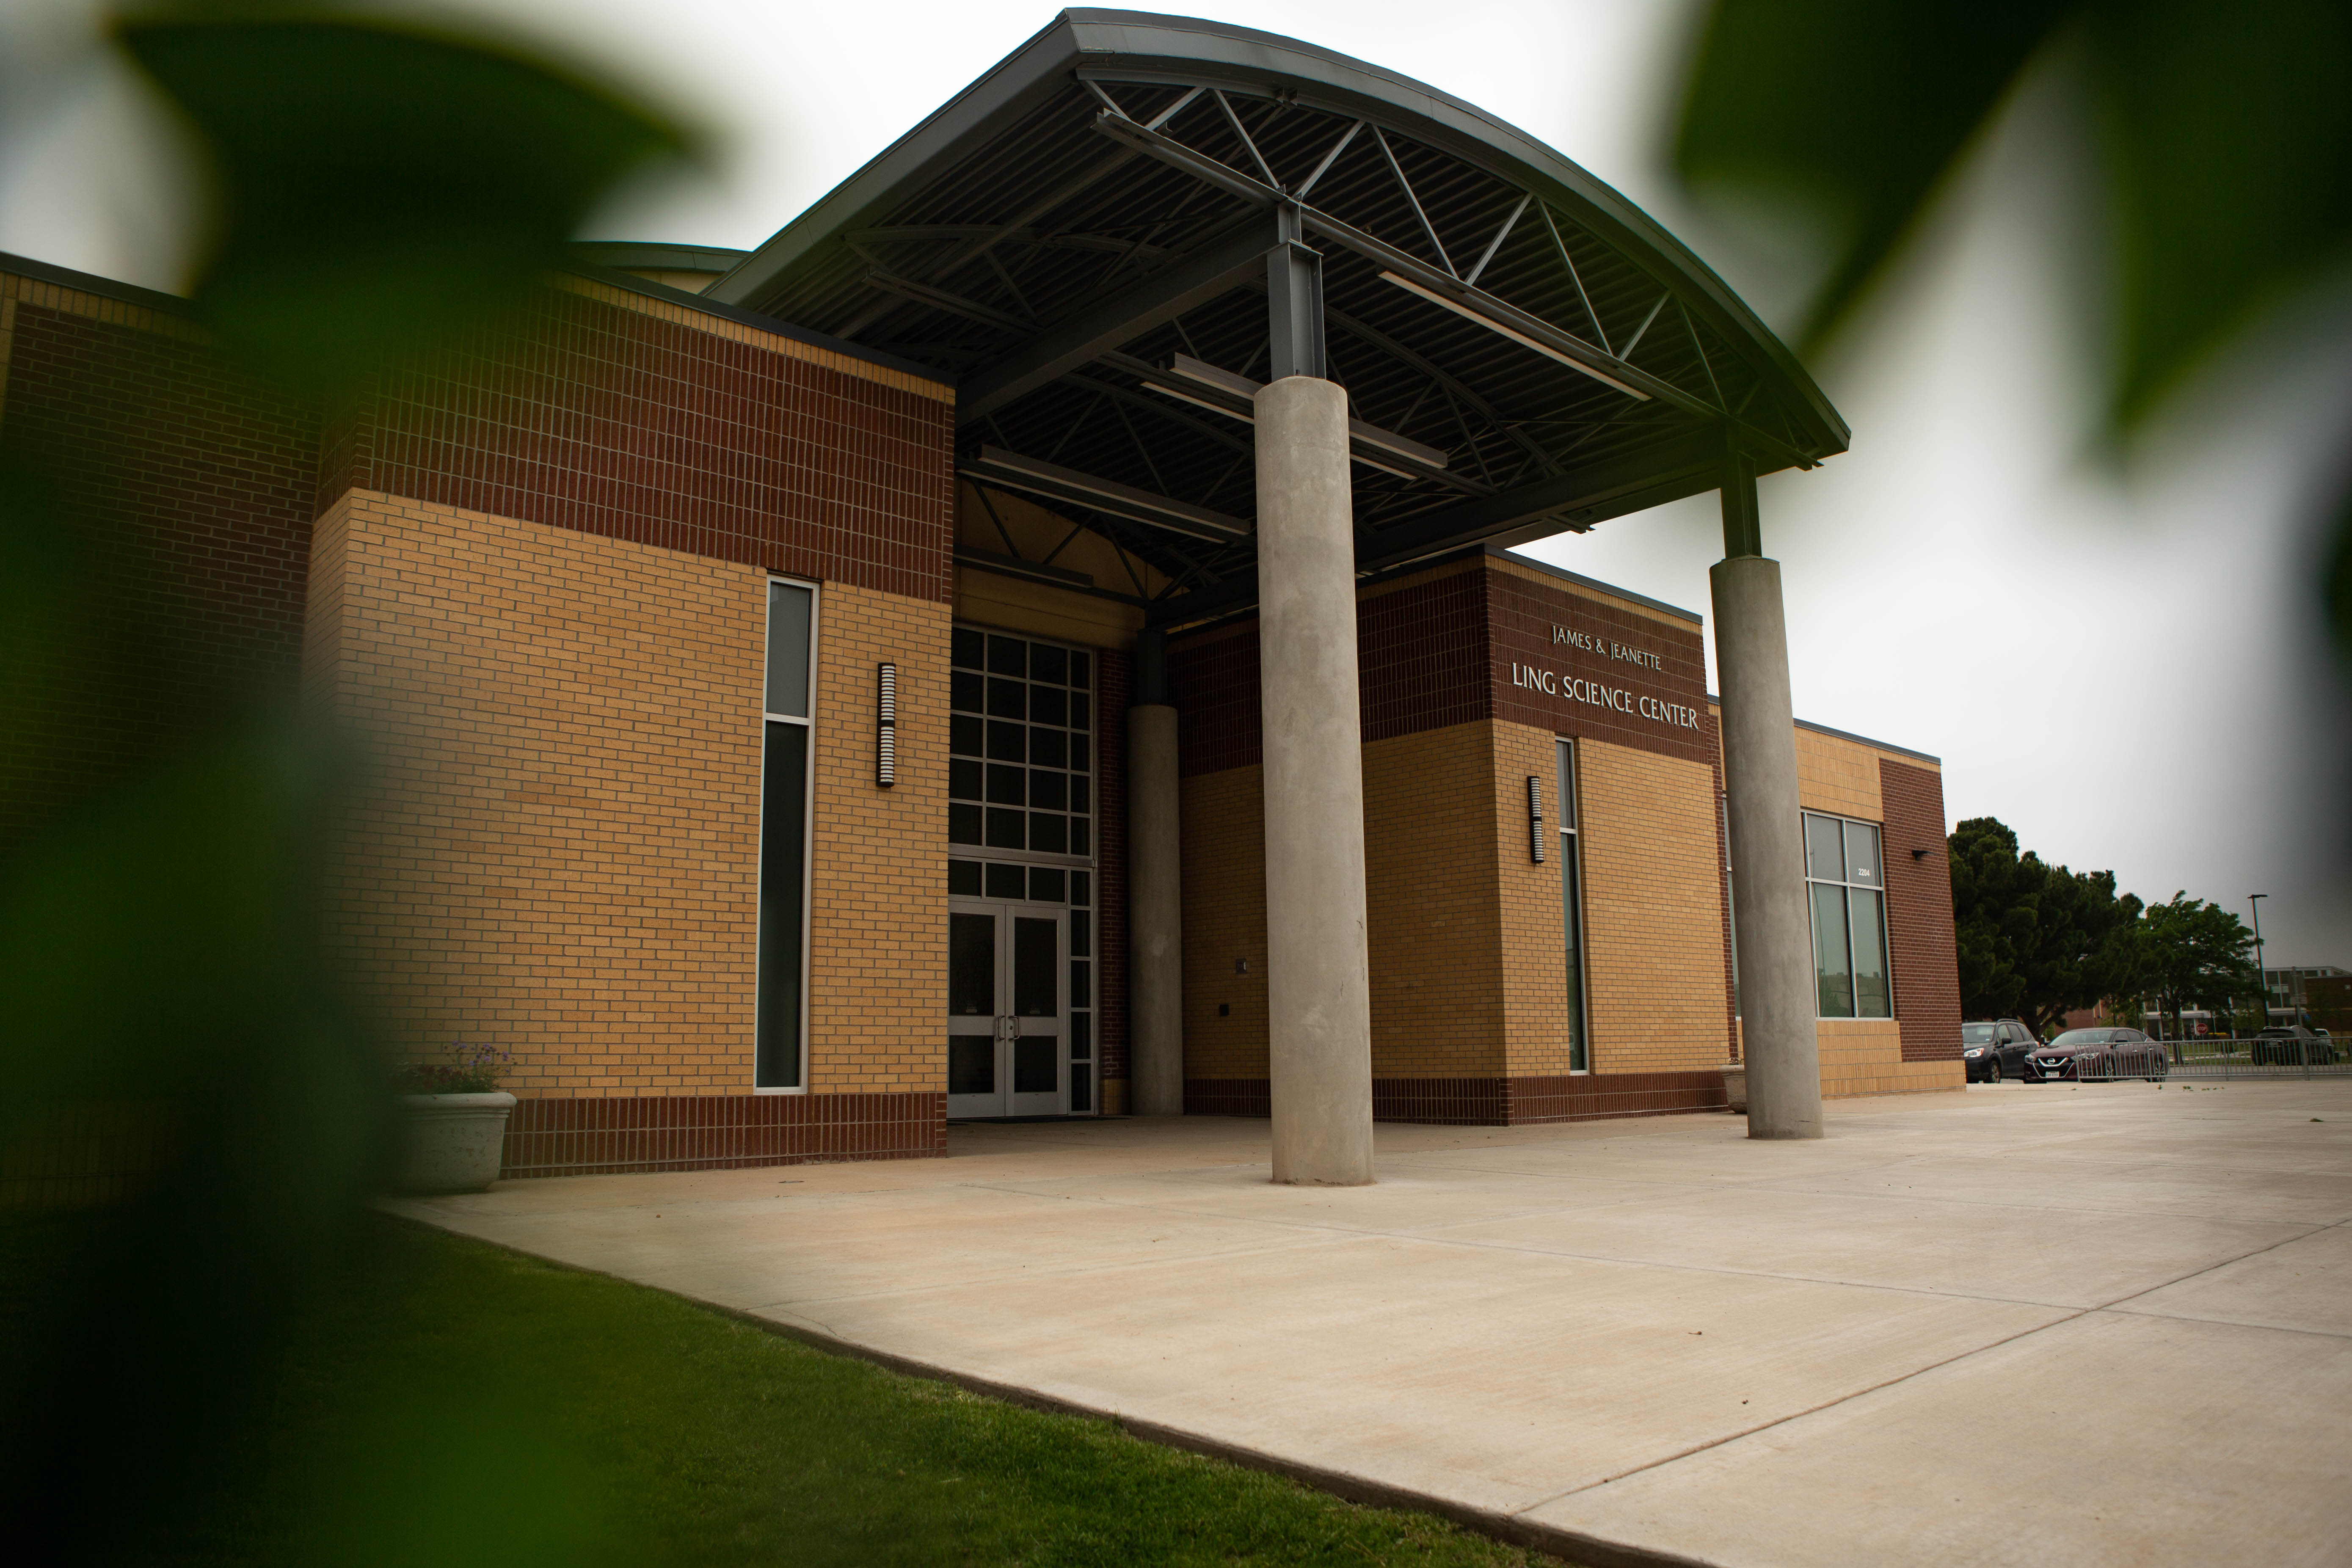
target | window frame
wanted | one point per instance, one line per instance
(808, 725)
(1093, 772)
(1568, 815)
(1848, 886)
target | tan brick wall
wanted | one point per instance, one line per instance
(1434, 930)
(1465, 935)
(878, 899)
(1865, 1056)
(555, 847)
(1838, 776)
(1654, 914)
(1224, 847)
(1533, 935)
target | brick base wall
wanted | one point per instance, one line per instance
(1491, 1101)
(594, 1137)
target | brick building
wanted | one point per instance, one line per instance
(745, 669)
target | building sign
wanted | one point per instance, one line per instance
(1564, 636)
(1589, 665)
(1595, 693)
(1600, 694)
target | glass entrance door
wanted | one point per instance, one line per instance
(1007, 1013)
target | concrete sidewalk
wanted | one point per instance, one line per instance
(2027, 1324)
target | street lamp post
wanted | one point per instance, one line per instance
(2262, 975)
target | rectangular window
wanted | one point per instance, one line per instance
(1571, 903)
(781, 1009)
(1845, 881)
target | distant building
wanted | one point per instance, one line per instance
(2289, 990)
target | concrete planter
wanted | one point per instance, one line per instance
(451, 1142)
(1735, 1085)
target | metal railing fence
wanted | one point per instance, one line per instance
(2225, 1058)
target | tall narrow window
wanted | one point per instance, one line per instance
(1845, 882)
(1571, 905)
(783, 840)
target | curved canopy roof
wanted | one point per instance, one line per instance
(1077, 241)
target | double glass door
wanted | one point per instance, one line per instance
(1007, 1013)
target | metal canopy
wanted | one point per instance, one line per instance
(1079, 240)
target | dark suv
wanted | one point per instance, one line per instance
(1996, 1050)
(2292, 1045)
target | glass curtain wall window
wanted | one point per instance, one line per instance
(1021, 784)
(1846, 880)
(1571, 903)
(781, 1010)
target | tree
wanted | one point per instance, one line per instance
(2085, 945)
(2035, 941)
(2195, 955)
(1993, 902)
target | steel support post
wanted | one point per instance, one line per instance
(1294, 299)
(1774, 926)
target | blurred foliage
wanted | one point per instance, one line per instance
(2222, 143)
(2036, 941)
(197, 1115)
(378, 187)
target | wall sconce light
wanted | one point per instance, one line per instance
(1919, 854)
(1535, 818)
(886, 733)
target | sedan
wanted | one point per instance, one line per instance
(2096, 1054)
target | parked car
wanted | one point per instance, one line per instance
(2292, 1046)
(1995, 1050)
(2097, 1055)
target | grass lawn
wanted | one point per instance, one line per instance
(456, 1403)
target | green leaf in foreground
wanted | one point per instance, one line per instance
(383, 187)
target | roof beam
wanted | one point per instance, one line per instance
(1032, 476)
(1440, 285)
(1629, 483)
(1096, 330)
(943, 299)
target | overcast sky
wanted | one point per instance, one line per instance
(2123, 669)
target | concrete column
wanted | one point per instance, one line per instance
(1319, 988)
(1768, 851)
(1155, 914)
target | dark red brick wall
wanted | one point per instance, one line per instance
(588, 1137)
(1114, 692)
(1919, 913)
(1213, 682)
(189, 489)
(1442, 652)
(590, 417)
(1522, 614)
(1491, 1101)
(1420, 654)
